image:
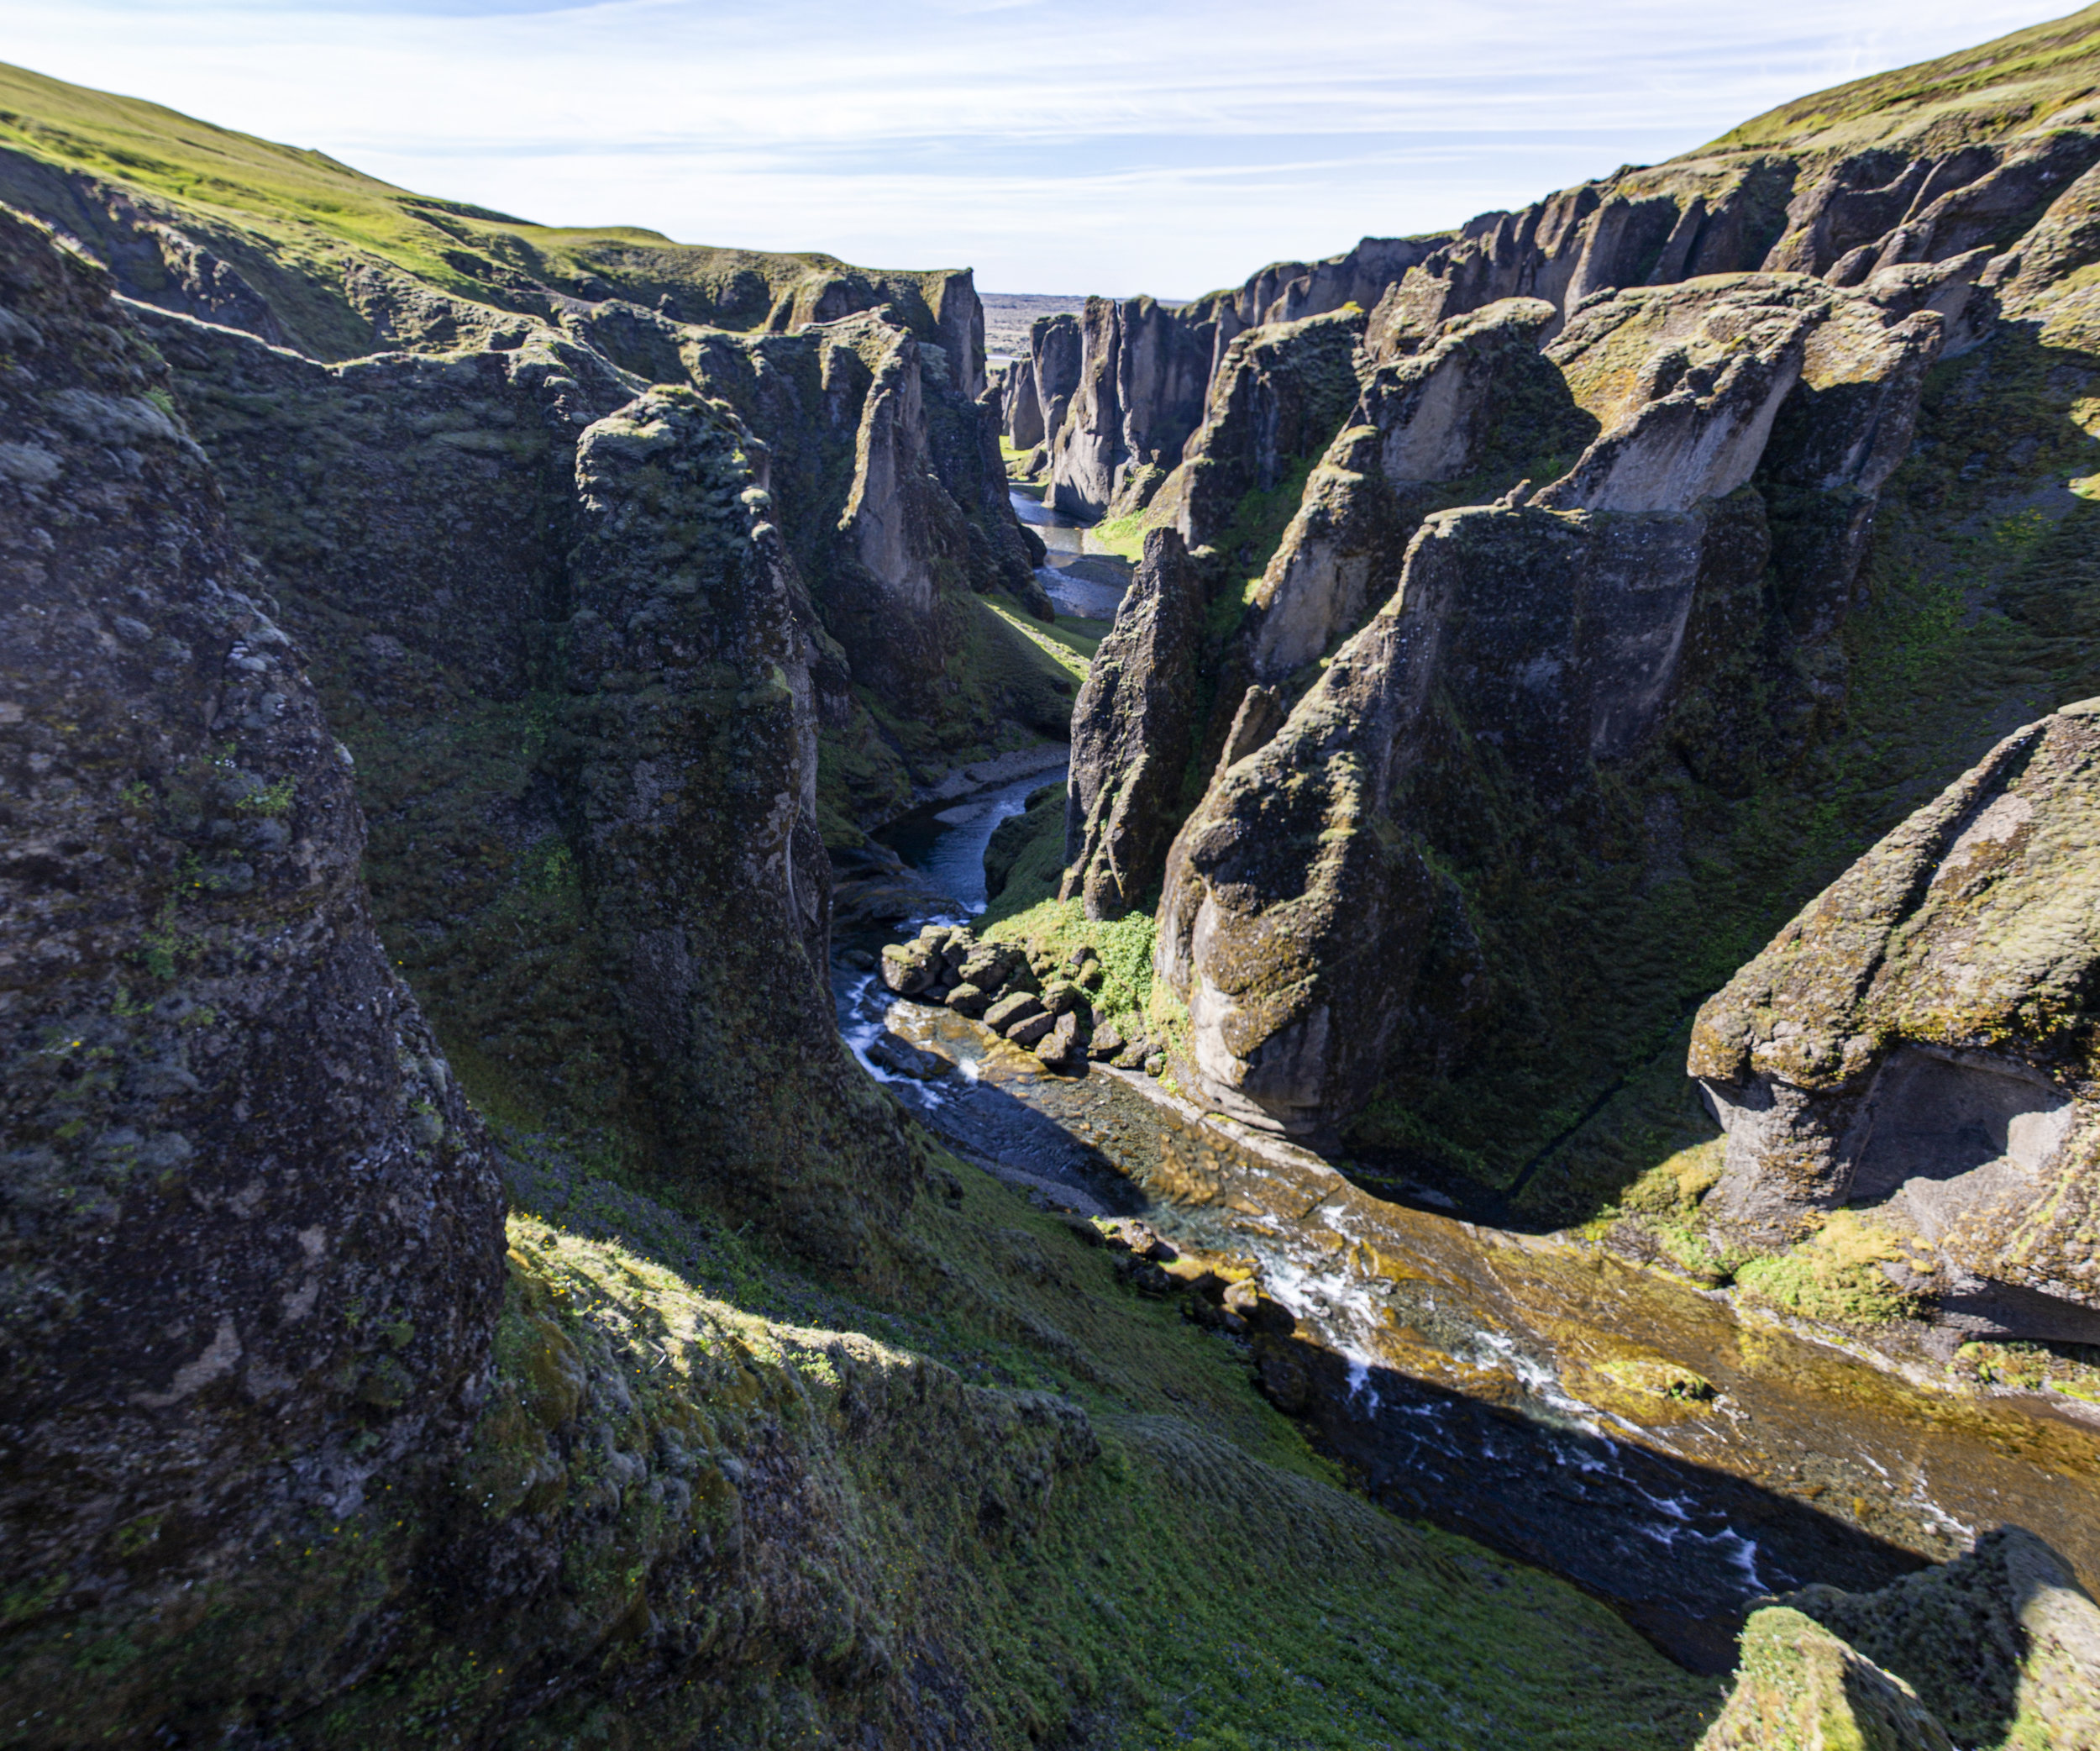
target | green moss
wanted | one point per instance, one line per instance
(1062, 928)
(1024, 861)
(1069, 652)
(1835, 1275)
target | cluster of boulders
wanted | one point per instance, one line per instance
(1022, 993)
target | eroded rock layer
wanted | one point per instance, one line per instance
(252, 1229)
(1313, 918)
(1920, 1043)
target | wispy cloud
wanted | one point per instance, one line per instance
(1092, 145)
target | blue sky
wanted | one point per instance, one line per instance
(1079, 146)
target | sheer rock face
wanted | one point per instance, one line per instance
(335, 299)
(1921, 1041)
(1307, 919)
(1142, 378)
(1421, 422)
(252, 1231)
(900, 526)
(1020, 406)
(690, 755)
(1132, 735)
(1057, 358)
(1874, 210)
(1279, 394)
(1654, 228)
(590, 689)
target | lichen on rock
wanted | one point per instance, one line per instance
(1915, 1042)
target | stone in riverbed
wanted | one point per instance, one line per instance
(1061, 997)
(1107, 1042)
(1030, 1028)
(900, 1057)
(988, 966)
(1019, 1006)
(968, 999)
(905, 969)
(1061, 1047)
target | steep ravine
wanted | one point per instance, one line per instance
(484, 1259)
(1678, 1453)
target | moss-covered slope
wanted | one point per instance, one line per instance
(303, 250)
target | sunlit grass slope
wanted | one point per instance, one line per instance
(286, 217)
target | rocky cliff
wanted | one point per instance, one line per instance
(1918, 1045)
(302, 1444)
(253, 1229)
(1132, 734)
(1529, 645)
(1675, 402)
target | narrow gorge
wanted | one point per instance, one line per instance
(1361, 1013)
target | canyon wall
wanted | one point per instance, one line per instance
(1558, 544)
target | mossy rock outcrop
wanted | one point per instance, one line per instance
(1323, 916)
(1920, 1043)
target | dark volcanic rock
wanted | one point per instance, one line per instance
(1142, 373)
(253, 1237)
(1279, 396)
(1132, 735)
(1917, 1044)
(1479, 396)
(690, 709)
(1022, 405)
(1310, 918)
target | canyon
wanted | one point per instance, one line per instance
(1361, 1012)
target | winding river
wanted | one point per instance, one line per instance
(1670, 1449)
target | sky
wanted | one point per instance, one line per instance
(1116, 146)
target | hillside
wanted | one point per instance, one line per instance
(2045, 76)
(309, 234)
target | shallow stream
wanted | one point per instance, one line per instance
(1663, 1447)
(1083, 577)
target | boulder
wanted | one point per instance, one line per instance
(906, 969)
(1917, 1044)
(1063, 1047)
(1107, 1044)
(1027, 1029)
(900, 1057)
(1061, 997)
(1133, 732)
(1017, 1006)
(968, 999)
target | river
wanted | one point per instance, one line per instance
(1512, 1386)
